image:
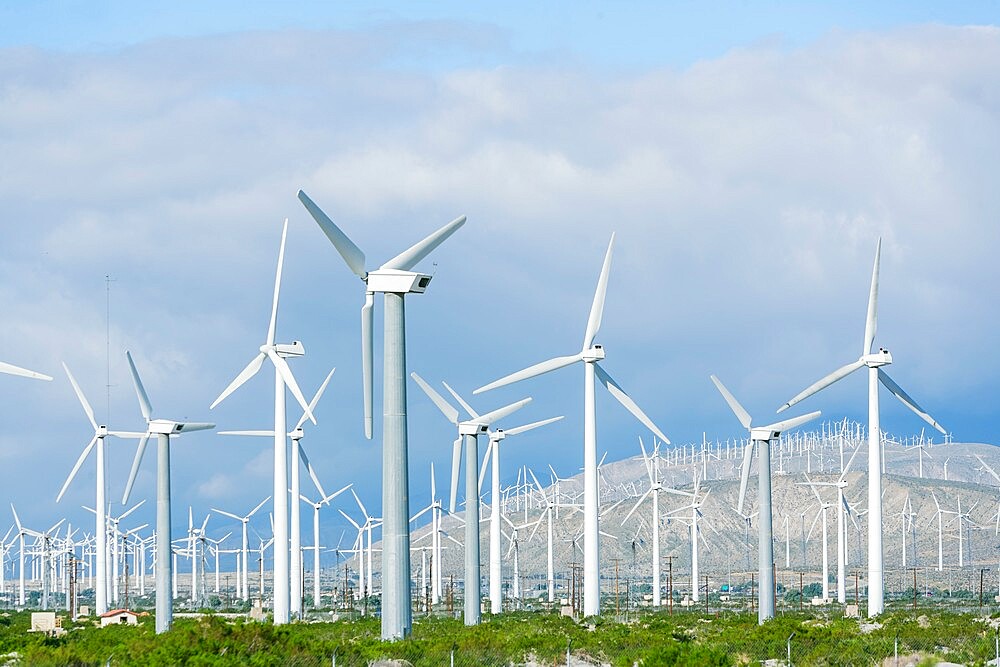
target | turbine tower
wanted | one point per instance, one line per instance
(283, 377)
(874, 361)
(589, 355)
(394, 279)
(162, 429)
(760, 439)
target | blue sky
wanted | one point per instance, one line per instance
(747, 157)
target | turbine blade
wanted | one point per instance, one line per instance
(140, 391)
(269, 434)
(433, 487)
(293, 386)
(841, 372)
(540, 489)
(636, 506)
(906, 400)
(597, 307)
(533, 425)
(456, 463)
(465, 406)
(367, 347)
(789, 424)
(277, 287)
(135, 467)
(229, 514)
(336, 493)
(79, 462)
(316, 397)
(245, 374)
(500, 413)
(629, 404)
(83, 399)
(744, 475)
(734, 405)
(406, 260)
(847, 468)
(486, 459)
(354, 523)
(254, 510)
(447, 409)
(11, 369)
(353, 257)
(531, 371)
(311, 471)
(871, 322)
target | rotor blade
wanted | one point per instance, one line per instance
(841, 372)
(311, 471)
(261, 434)
(132, 509)
(336, 493)
(629, 404)
(316, 397)
(244, 375)
(433, 484)
(79, 462)
(871, 321)
(204, 523)
(364, 510)
(286, 375)
(367, 345)
(277, 287)
(486, 459)
(744, 475)
(16, 519)
(734, 405)
(354, 523)
(468, 408)
(500, 413)
(597, 307)
(907, 401)
(406, 260)
(140, 391)
(187, 427)
(988, 468)
(540, 489)
(83, 399)
(351, 253)
(789, 424)
(11, 369)
(449, 411)
(135, 468)
(531, 371)
(456, 463)
(229, 514)
(637, 503)
(254, 510)
(847, 468)
(813, 488)
(533, 425)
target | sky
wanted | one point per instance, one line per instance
(748, 157)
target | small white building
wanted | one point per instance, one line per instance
(119, 617)
(47, 622)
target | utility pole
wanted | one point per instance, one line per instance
(914, 570)
(670, 584)
(982, 573)
(617, 611)
(800, 590)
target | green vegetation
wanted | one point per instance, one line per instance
(649, 639)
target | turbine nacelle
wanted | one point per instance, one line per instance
(595, 353)
(395, 281)
(876, 359)
(168, 427)
(472, 428)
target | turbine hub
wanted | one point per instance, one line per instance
(876, 359)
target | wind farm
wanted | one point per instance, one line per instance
(552, 247)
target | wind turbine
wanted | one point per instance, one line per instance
(394, 279)
(590, 354)
(283, 377)
(100, 502)
(823, 507)
(244, 520)
(162, 429)
(874, 362)
(316, 505)
(298, 456)
(470, 430)
(760, 439)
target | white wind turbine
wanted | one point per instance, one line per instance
(823, 507)
(696, 533)
(5, 548)
(394, 279)
(298, 457)
(590, 354)
(243, 582)
(316, 548)
(100, 502)
(162, 429)
(760, 439)
(277, 353)
(651, 463)
(437, 509)
(470, 430)
(874, 362)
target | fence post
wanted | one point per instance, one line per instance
(895, 650)
(333, 659)
(569, 642)
(788, 644)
